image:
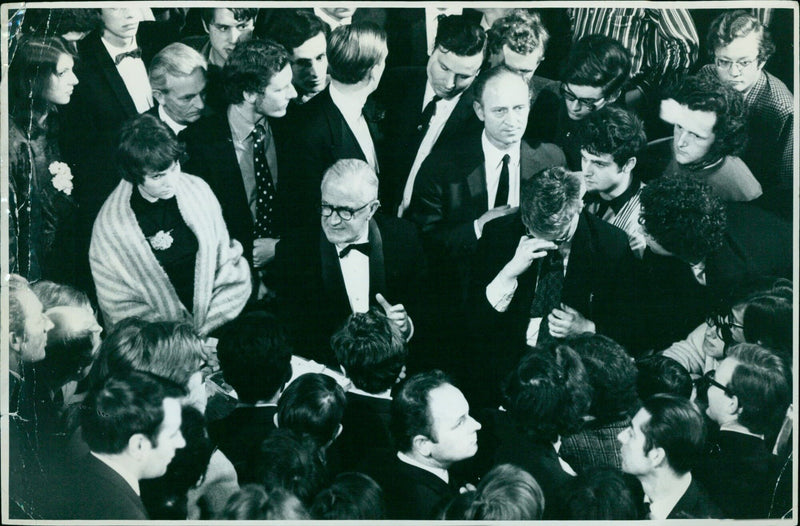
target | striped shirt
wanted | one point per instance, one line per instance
(663, 42)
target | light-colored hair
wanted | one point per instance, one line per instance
(356, 174)
(353, 50)
(175, 60)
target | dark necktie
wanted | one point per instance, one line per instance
(501, 197)
(265, 190)
(361, 247)
(133, 53)
(427, 114)
(548, 291)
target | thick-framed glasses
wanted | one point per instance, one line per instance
(345, 213)
(707, 380)
(724, 326)
(569, 96)
(724, 63)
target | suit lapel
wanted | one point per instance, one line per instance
(579, 268)
(110, 73)
(344, 140)
(332, 280)
(476, 183)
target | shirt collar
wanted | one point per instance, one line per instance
(618, 202)
(386, 395)
(132, 481)
(350, 104)
(241, 124)
(494, 156)
(439, 472)
(429, 93)
(164, 116)
(363, 238)
(115, 50)
(662, 506)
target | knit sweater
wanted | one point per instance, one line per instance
(130, 281)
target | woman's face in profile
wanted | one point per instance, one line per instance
(62, 82)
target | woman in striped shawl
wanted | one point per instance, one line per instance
(160, 249)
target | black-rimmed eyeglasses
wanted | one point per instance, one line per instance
(569, 96)
(345, 213)
(707, 380)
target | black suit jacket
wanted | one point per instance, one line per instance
(320, 136)
(414, 494)
(311, 291)
(239, 436)
(695, 504)
(401, 92)
(365, 444)
(93, 491)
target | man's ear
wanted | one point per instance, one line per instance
(629, 165)
(657, 456)
(138, 445)
(249, 98)
(373, 208)
(159, 96)
(733, 405)
(14, 341)
(476, 106)
(421, 445)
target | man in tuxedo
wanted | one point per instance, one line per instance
(356, 260)
(699, 250)
(236, 152)
(426, 107)
(432, 430)
(132, 426)
(660, 448)
(336, 123)
(747, 396)
(178, 80)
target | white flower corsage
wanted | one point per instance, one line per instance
(161, 241)
(62, 176)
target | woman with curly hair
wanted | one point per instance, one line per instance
(40, 185)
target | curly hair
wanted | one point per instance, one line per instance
(738, 24)
(683, 216)
(612, 131)
(520, 30)
(251, 66)
(706, 92)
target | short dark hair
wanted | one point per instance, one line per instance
(351, 496)
(706, 92)
(507, 492)
(521, 30)
(550, 199)
(354, 49)
(598, 61)
(684, 216)
(539, 397)
(613, 131)
(612, 376)
(676, 426)
(291, 28)
(146, 145)
(121, 407)
(768, 317)
(460, 35)
(251, 66)
(59, 295)
(239, 13)
(600, 493)
(252, 502)
(762, 383)
(736, 24)
(287, 461)
(479, 84)
(371, 349)
(313, 406)
(169, 349)
(411, 415)
(662, 374)
(255, 356)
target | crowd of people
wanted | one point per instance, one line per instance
(400, 263)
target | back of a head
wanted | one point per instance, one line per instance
(662, 374)
(598, 61)
(371, 350)
(121, 407)
(289, 462)
(255, 356)
(520, 30)
(252, 502)
(459, 35)
(613, 131)
(313, 406)
(550, 199)
(507, 492)
(410, 412)
(683, 215)
(165, 348)
(354, 49)
(768, 317)
(351, 496)
(601, 493)
(251, 66)
(293, 27)
(677, 426)
(762, 383)
(612, 376)
(60, 295)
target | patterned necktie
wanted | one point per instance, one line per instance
(501, 197)
(265, 190)
(427, 114)
(548, 291)
(133, 53)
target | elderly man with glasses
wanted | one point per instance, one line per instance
(354, 260)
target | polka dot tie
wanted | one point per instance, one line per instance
(265, 190)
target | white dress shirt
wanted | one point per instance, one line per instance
(432, 22)
(169, 121)
(133, 74)
(351, 108)
(439, 472)
(444, 108)
(355, 272)
(493, 164)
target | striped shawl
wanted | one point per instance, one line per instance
(131, 282)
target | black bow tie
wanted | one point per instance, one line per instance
(361, 247)
(133, 53)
